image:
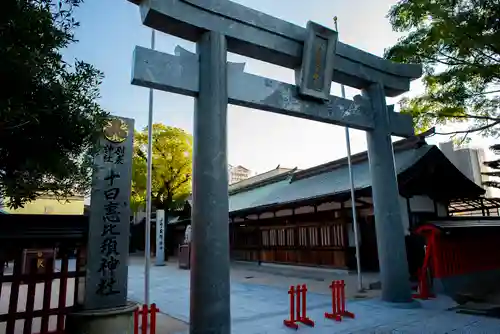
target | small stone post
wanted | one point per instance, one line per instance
(160, 238)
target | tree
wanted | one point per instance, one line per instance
(49, 116)
(172, 167)
(495, 165)
(458, 43)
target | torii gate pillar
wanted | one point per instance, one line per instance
(210, 282)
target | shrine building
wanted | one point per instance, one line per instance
(303, 217)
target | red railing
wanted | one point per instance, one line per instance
(141, 320)
(462, 256)
(451, 255)
(30, 296)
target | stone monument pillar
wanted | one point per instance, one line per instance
(104, 308)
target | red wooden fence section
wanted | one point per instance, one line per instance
(463, 253)
(35, 302)
(457, 256)
(37, 290)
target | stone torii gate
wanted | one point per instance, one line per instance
(219, 26)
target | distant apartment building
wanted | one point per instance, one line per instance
(238, 173)
(470, 161)
(258, 178)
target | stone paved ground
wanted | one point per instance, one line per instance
(166, 324)
(317, 279)
(260, 309)
(260, 303)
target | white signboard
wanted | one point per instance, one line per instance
(160, 237)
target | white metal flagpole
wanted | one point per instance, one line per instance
(147, 249)
(353, 198)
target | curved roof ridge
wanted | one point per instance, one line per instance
(273, 179)
(398, 146)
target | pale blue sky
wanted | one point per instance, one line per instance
(110, 29)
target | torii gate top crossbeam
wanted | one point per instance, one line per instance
(257, 35)
(180, 74)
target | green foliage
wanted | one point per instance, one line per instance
(49, 117)
(458, 43)
(172, 167)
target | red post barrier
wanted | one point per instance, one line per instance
(298, 307)
(136, 321)
(303, 317)
(297, 304)
(291, 322)
(142, 313)
(153, 318)
(338, 298)
(345, 313)
(338, 302)
(335, 315)
(144, 322)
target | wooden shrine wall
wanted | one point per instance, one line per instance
(313, 239)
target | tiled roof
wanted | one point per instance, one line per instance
(255, 197)
(319, 184)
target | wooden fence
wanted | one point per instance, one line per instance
(455, 257)
(316, 244)
(457, 248)
(38, 291)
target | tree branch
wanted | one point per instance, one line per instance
(179, 171)
(486, 118)
(141, 154)
(486, 55)
(486, 93)
(456, 60)
(481, 128)
(16, 126)
(466, 33)
(177, 186)
(437, 60)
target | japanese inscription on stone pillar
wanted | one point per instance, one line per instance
(106, 281)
